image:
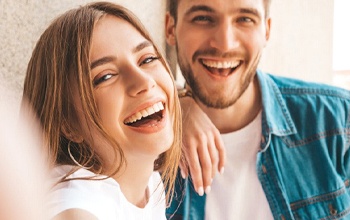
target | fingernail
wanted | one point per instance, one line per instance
(207, 190)
(222, 170)
(200, 191)
(183, 175)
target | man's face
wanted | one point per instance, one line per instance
(219, 44)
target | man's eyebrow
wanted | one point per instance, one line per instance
(205, 8)
(102, 61)
(196, 8)
(142, 45)
(252, 11)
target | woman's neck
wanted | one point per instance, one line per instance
(133, 180)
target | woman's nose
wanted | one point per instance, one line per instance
(139, 81)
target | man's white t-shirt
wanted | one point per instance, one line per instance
(104, 198)
(238, 194)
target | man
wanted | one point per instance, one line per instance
(286, 141)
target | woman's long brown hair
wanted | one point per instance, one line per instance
(60, 65)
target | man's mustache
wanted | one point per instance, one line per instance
(216, 53)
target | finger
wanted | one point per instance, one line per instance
(221, 151)
(214, 155)
(195, 169)
(206, 166)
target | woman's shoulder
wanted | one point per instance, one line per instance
(73, 214)
(98, 197)
(103, 198)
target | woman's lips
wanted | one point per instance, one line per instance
(144, 113)
(148, 120)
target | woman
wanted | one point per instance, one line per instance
(108, 109)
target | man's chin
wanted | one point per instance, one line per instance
(213, 101)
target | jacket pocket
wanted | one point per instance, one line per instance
(333, 205)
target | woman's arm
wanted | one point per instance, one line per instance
(203, 146)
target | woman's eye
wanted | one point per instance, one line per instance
(103, 78)
(149, 60)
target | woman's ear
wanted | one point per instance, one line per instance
(70, 133)
(170, 29)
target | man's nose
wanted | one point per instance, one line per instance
(225, 37)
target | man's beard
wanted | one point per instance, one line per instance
(216, 99)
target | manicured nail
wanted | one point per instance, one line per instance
(183, 175)
(222, 170)
(207, 190)
(200, 191)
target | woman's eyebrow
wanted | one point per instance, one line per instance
(142, 45)
(108, 59)
(102, 61)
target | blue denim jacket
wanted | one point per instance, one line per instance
(304, 162)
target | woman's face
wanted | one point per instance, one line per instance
(132, 89)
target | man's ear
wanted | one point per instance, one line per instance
(268, 27)
(70, 133)
(170, 29)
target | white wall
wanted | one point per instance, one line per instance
(23, 21)
(341, 40)
(300, 45)
(301, 40)
(341, 44)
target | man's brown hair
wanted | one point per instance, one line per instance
(173, 5)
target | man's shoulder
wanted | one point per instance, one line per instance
(291, 86)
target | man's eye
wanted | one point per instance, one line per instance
(245, 20)
(103, 78)
(202, 19)
(149, 60)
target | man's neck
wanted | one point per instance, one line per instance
(240, 114)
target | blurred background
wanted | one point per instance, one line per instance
(309, 39)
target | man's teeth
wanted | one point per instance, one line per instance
(145, 112)
(221, 65)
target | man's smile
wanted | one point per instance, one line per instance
(220, 68)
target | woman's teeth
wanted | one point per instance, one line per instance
(145, 113)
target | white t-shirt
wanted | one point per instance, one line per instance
(104, 198)
(238, 194)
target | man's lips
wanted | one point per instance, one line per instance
(154, 112)
(220, 68)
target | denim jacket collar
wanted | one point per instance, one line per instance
(276, 118)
